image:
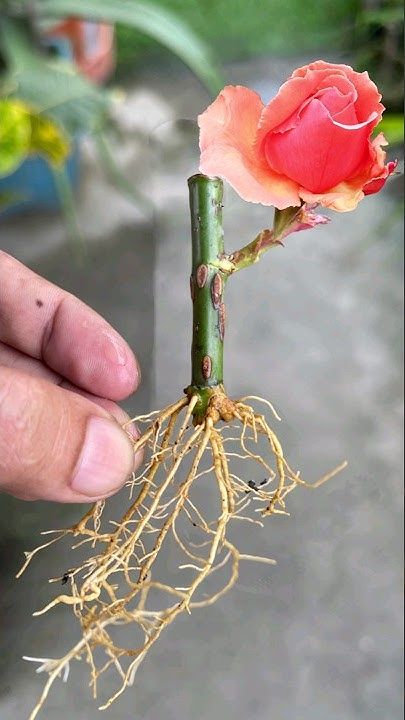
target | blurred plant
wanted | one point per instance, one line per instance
(55, 87)
(380, 25)
(392, 126)
(240, 29)
(24, 132)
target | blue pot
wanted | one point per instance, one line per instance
(33, 184)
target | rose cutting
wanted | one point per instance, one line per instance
(312, 143)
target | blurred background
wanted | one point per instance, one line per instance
(98, 102)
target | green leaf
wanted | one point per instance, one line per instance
(51, 86)
(160, 24)
(48, 140)
(15, 134)
(63, 95)
(385, 16)
(23, 131)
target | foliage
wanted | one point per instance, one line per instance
(238, 29)
(161, 24)
(14, 135)
(392, 125)
(50, 85)
(150, 19)
(23, 131)
(380, 43)
(53, 86)
(60, 94)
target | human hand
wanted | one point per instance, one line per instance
(62, 366)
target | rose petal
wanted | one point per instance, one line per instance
(306, 81)
(294, 119)
(294, 92)
(374, 186)
(342, 198)
(319, 153)
(346, 196)
(347, 116)
(227, 142)
(332, 166)
(367, 92)
(373, 173)
(339, 106)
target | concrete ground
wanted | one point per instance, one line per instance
(316, 327)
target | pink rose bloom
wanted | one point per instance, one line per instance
(312, 143)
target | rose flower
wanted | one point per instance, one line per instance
(312, 143)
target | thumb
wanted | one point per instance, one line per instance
(56, 445)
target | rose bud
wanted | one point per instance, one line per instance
(312, 143)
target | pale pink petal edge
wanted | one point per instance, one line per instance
(227, 142)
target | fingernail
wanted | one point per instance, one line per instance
(131, 428)
(106, 459)
(116, 352)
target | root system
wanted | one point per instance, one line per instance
(198, 482)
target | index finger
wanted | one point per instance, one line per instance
(50, 324)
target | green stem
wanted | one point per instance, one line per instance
(207, 285)
(284, 222)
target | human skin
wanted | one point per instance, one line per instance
(62, 370)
